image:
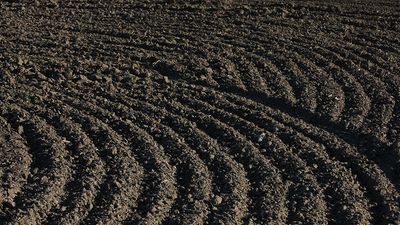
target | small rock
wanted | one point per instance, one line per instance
(68, 74)
(107, 79)
(128, 121)
(20, 129)
(212, 156)
(20, 61)
(261, 137)
(35, 170)
(111, 88)
(209, 71)
(230, 67)
(166, 79)
(190, 198)
(118, 184)
(45, 179)
(370, 64)
(114, 151)
(41, 76)
(250, 222)
(217, 200)
(54, 3)
(83, 79)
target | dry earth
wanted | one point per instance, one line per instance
(177, 112)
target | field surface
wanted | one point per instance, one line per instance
(199, 112)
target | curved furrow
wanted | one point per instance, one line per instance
(330, 101)
(50, 169)
(127, 188)
(154, 205)
(357, 102)
(86, 163)
(382, 75)
(239, 149)
(275, 85)
(369, 59)
(370, 44)
(194, 195)
(385, 158)
(355, 211)
(194, 179)
(271, 77)
(229, 184)
(276, 82)
(306, 90)
(302, 86)
(254, 173)
(324, 52)
(262, 209)
(251, 75)
(230, 203)
(96, 113)
(127, 193)
(110, 207)
(170, 119)
(303, 190)
(371, 64)
(371, 178)
(212, 68)
(268, 71)
(360, 107)
(379, 188)
(90, 169)
(382, 103)
(190, 168)
(223, 70)
(392, 85)
(290, 136)
(229, 175)
(15, 162)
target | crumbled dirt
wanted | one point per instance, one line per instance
(199, 112)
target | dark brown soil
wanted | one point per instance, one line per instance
(199, 112)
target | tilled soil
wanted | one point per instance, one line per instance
(200, 112)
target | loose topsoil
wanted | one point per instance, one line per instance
(199, 112)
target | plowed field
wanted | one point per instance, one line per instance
(199, 112)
